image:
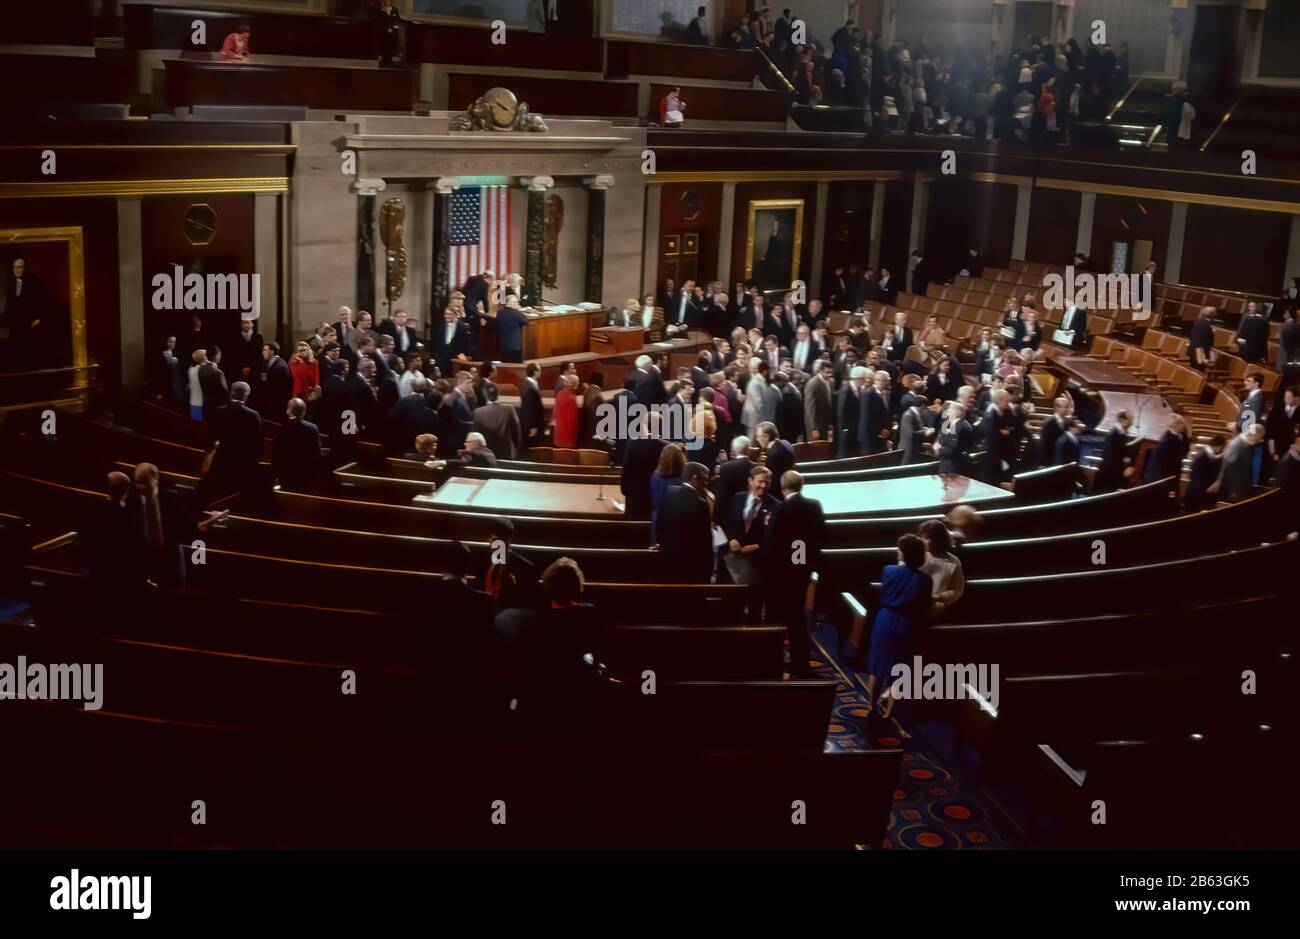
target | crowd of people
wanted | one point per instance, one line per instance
(1037, 90)
(712, 465)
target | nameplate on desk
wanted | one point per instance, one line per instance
(428, 498)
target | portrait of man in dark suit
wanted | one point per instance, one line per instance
(775, 229)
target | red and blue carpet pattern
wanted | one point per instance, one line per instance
(934, 810)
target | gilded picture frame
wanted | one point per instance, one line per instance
(71, 386)
(772, 254)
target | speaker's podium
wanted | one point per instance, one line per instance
(551, 331)
(611, 339)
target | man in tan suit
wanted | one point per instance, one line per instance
(499, 425)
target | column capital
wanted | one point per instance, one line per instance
(537, 183)
(364, 186)
(446, 185)
(598, 182)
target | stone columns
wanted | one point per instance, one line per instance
(366, 190)
(1020, 231)
(442, 188)
(130, 293)
(535, 233)
(726, 222)
(594, 283)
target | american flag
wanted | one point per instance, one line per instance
(480, 232)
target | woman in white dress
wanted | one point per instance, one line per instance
(943, 566)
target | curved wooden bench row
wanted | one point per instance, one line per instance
(639, 799)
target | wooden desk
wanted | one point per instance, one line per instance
(902, 496)
(614, 365)
(1099, 375)
(1151, 413)
(606, 339)
(546, 335)
(512, 497)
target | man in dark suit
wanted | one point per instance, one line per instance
(511, 322)
(477, 292)
(165, 521)
(911, 431)
(114, 550)
(1281, 428)
(1116, 456)
(683, 530)
(789, 410)
(532, 416)
(995, 434)
(886, 292)
(733, 475)
(649, 387)
(477, 452)
(791, 552)
(1206, 466)
(848, 414)
(363, 401)
(403, 336)
(297, 454)
(746, 524)
(1251, 340)
(460, 414)
(409, 418)
(776, 454)
(805, 351)
(682, 313)
(499, 425)
(25, 311)
(903, 338)
(450, 339)
(1200, 344)
(244, 361)
(840, 291)
(876, 419)
(235, 430)
(1252, 406)
(1067, 445)
(275, 384)
(640, 460)
(212, 382)
(1053, 427)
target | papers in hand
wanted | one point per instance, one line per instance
(719, 538)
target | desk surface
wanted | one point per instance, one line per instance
(896, 496)
(901, 496)
(1103, 376)
(509, 496)
(1152, 414)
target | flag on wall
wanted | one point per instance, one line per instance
(480, 232)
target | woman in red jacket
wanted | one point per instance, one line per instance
(236, 47)
(565, 433)
(306, 372)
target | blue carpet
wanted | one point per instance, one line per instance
(934, 808)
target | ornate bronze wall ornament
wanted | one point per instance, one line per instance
(498, 109)
(553, 221)
(392, 216)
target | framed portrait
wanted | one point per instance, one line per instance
(774, 242)
(42, 312)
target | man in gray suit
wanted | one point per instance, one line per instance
(911, 434)
(819, 401)
(499, 425)
(1236, 479)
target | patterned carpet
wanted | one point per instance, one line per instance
(934, 808)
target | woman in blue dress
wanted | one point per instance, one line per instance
(905, 592)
